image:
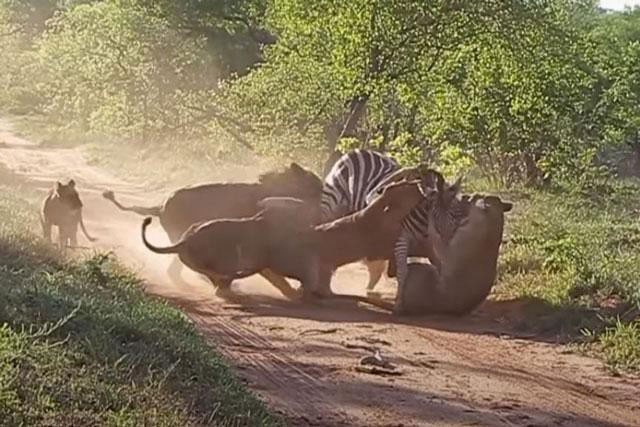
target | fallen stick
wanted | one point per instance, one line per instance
(374, 370)
(320, 331)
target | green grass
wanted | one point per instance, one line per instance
(579, 254)
(80, 344)
(621, 345)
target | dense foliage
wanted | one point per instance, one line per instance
(528, 91)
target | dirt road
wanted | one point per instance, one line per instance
(471, 371)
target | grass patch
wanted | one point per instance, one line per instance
(621, 345)
(580, 254)
(570, 249)
(80, 344)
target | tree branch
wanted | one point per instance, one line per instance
(315, 117)
(258, 35)
(211, 113)
(224, 121)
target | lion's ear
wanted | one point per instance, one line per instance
(71, 184)
(506, 206)
(457, 185)
(296, 167)
(58, 185)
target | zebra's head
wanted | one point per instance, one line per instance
(447, 207)
(433, 183)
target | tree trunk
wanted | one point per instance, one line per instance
(331, 160)
(332, 134)
(635, 149)
(386, 128)
(357, 107)
(336, 130)
(532, 171)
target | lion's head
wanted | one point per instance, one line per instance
(68, 194)
(294, 181)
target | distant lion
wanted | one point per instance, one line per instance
(63, 208)
(193, 205)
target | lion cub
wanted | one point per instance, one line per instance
(63, 208)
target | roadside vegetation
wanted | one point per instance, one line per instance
(537, 100)
(575, 258)
(80, 344)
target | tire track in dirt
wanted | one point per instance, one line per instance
(455, 372)
(263, 361)
(545, 371)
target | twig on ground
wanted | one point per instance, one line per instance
(320, 331)
(374, 370)
(370, 348)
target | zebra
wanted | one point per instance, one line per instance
(354, 180)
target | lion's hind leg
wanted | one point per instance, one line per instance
(280, 283)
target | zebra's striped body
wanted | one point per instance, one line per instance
(349, 187)
(351, 179)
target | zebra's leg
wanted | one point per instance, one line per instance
(376, 268)
(400, 252)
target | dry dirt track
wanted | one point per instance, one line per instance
(471, 371)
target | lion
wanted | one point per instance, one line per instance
(197, 204)
(446, 215)
(63, 208)
(468, 266)
(283, 239)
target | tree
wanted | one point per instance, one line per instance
(372, 50)
(114, 68)
(616, 56)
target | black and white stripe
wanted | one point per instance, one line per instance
(351, 184)
(351, 179)
(354, 179)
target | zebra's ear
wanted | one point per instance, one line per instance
(452, 191)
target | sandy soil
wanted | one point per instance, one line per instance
(302, 360)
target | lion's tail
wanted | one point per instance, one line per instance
(84, 230)
(140, 210)
(167, 250)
